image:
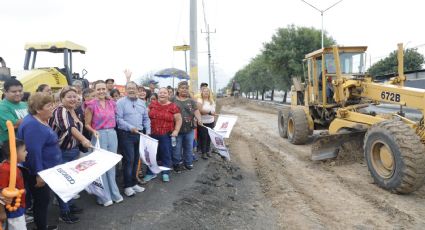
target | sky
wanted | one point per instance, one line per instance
(140, 35)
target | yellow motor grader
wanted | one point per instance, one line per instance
(334, 96)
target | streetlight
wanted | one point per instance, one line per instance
(321, 12)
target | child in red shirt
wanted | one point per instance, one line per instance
(15, 219)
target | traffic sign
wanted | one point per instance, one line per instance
(181, 48)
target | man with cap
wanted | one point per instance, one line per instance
(152, 86)
(109, 85)
(152, 89)
(201, 87)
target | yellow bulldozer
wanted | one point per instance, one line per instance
(334, 98)
(56, 77)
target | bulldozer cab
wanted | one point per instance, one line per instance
(55, 75)
(322, 72)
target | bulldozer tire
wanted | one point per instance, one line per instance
(297, 126)
(283, 123)
(395, 156)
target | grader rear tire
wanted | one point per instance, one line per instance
(395, 156)
(297, 126)
(282, 121)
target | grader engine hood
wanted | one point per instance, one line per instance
(50, 76)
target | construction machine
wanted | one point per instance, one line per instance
(56, 77)
(4, 72)
(333, 98)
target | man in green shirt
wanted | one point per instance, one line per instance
(11, 107)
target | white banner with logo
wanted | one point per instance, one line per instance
(218, 141)
(224, 125)
(68, 179)
(148, 148)
(97, 188)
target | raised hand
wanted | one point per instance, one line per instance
(127, 73)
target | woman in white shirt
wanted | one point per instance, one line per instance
(206, 106)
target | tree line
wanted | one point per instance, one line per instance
(281, 59)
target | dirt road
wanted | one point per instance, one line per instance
(337, 194)
(269, 184)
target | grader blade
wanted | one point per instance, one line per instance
(327, 146)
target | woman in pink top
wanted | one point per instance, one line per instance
(100, 121)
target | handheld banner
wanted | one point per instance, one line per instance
(68, 179)
(225, 125)
(97, 188)
(148, 148)
(218, 141)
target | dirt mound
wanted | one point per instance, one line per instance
(350, 153)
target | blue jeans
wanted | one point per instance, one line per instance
(130, 150)
(108, 141)
(67, 156)
(165, 151)
(184, 146)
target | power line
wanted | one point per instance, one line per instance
(208, 32)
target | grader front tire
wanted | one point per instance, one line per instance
(395, 156)
(283, 123)
(298, 130)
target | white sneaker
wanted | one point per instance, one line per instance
(119, 200)
(29, 219)
(129, 191)
(138, 188)
(108, 203)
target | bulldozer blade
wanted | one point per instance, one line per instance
(327, 146)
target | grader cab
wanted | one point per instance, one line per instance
(333, 98)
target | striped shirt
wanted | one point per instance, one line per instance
(62, 122)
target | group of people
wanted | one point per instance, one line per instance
(55, 128)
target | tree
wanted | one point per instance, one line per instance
(146, 79)
(285, 52)
(412, 61)
(280, 60)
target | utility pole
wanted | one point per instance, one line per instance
(321, 12)
(208, 32)
(194, 47)
(214, 80)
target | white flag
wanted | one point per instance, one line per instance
(225, 125)
(97, 188)
(218, 141)
(70, 178)
(148, 148)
